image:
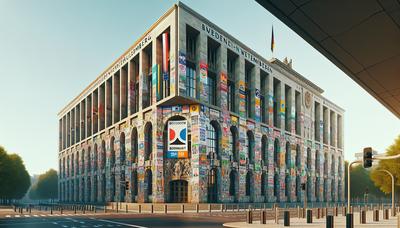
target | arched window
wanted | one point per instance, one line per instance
(232, 183)
(212, 187)
(134, 145)
(250, 146)
(122, 149)
(95, 158)
(89, 160)
(112, 152)
(264, 149)
(103, 154)
(298, 156)
(277, 150)
(309, 159)
(264, 183)
(212, 140)
(76, 164)
(288, 155)
(233, 142)
(149, 180)
(249, 177)
(148, 142)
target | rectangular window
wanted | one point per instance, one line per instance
(339, 131)
(190, 81)
(147, 66)
(325, 120)
(212, 88)
(212, 50)
(317, 116)
(248, 88)
(288, 105)
(231, 66)
(277, 101)
(297, 113)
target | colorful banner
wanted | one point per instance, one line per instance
(155, 81)
(182, 73)
(165, 55)
(203, 81)
(257, 105)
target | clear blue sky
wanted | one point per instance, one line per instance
(50, 50)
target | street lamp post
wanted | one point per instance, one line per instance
(392, 177)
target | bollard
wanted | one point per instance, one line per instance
(286, 218)
(318, 215)
(263, 216)
(74, 209)
(349, 221)
(51, 210)
(276, 215)
(117, 207)
(140, 208)
(222, 207)
(386, 214)
(126, 208)
(309, 216)
(363, 216)
(105, 209)
(376, 215)
(152, 208)
(197, 208)
(61, 210)
(329, 221)
(183, 208)
(209, 208)
(30, 209)
(94, 209)
(336, 211)
(166, 208)
(249, 217)
(298, 211)
(344, 211)
(323, 212)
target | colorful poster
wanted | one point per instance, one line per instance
(257, 105)
(165, 55)
(182, 73)
(194, 109)
(155, 81)
(177, 135)
(282, 106)
(203, 81)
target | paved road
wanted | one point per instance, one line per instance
(115, 220)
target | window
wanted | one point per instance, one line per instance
(250, 147)
(83, 162)
(276, 153)
(309, 159)
(264, 96)
(103, 154)
(149, 180)
(112, 151)
(297, 113)
(96, 158)
(232, 183)
(148, 143)
(122, 149)
(134, 145)
(231, 65)
(212, 88)
(298, 156)
(190, 80)
(288, 106)
(276, 107)
(212, 50)
(248, 88)
(248, 183)
(317, 121)
(147, 93)
(263, 184)
(233, 141)
(264, 149)
(212, 141)
(288, 155)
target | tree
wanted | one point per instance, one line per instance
(46, 187)
(382, 179)
(361, 181)
(14, 179)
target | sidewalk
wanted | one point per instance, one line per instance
(339, 221)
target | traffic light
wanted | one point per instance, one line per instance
(367, 157)
(126, 185)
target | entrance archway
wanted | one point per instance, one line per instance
(178, 191)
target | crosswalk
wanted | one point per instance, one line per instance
(45, 215)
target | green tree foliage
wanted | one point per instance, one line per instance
(360, 181)
(14, 179)
(382, 179)
(46, 187)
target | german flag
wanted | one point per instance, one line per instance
(272, 40)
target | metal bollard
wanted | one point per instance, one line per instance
(336, 211)
(197, 208)
(183, 208)
(349, 221)
(263, 216)
(318, 215)
(386, 214)
(117, 207)
(249, 217)
(152, 208)
(363, 217)
(309, 216)
(126, 208)
(344, 211)
(276, 215)
(51, 210)
(376, 215)
(329, 221)
(105, 209)
(140, 208)
(209, 208)
(298, 211)
(286, 218)
(94, 209)
(61, 210)
(166, 208)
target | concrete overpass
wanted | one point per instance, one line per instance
(361, 37)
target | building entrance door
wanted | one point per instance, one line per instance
(178, 191)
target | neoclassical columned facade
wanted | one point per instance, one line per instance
(250, 130)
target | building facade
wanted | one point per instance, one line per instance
(191, 114)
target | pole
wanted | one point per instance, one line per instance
(392, 177)
(348, 184)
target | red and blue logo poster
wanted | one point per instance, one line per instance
(177, 139)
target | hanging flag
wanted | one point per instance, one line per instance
(272, 40)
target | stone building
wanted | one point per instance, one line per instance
(191, 114)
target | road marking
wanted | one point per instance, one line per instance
(8, 216)
(27, 216)
(36, 215)
(119, 223)
(16, 216)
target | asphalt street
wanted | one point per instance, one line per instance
(116, 220)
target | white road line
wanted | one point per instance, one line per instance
(119, 223)
(8, 216)
(27, 216)
(36, 215)
(17, 216)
